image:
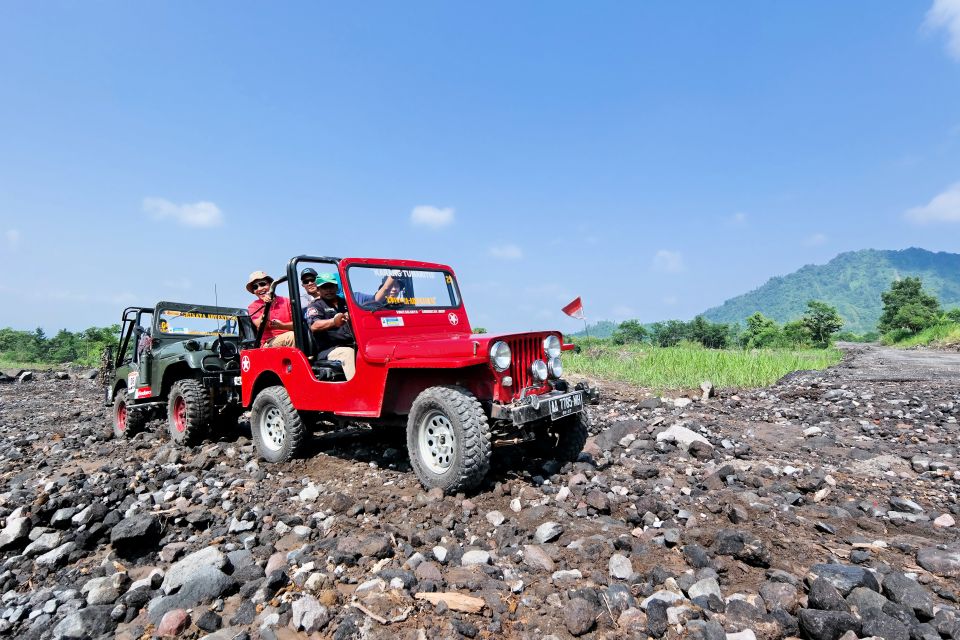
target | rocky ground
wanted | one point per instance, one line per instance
(822, 507)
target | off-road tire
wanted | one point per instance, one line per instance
(190, 412)
(127, 421)
(443, 412)
(563, 439)
(276, 426)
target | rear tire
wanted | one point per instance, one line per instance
(448, 439)
(127, 422)
(189, 412)
(276, 426)
(564, 439)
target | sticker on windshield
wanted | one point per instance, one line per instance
(391, 322)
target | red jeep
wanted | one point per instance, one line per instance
(418, 363)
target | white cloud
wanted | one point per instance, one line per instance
(433, 217)
(815, 240)
(945, 14)
(668, 261)
(12, 238)
(506, 252)
(197, 214)
(944, 207)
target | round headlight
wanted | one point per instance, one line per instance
(500, 355)
(538, 369)
(556, 367)
(551, 346)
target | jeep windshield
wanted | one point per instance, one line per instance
(197, 323)
(378, 287)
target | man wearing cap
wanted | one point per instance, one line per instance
(279, 329)
(308, 279)
(329, 320)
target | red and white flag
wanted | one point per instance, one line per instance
(574, 309)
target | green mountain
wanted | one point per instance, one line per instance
(852, 282)
(601, 329)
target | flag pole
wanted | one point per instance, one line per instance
(586, 330)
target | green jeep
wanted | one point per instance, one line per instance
(179, 358)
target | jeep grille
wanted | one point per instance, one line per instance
(524, 350)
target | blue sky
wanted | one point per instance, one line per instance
(653, 158)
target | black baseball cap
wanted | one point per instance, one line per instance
(309, 271)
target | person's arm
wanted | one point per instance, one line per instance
(382, 291)
(335, 322)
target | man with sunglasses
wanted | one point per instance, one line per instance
(279, 329)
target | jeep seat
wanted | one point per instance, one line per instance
(328, 370)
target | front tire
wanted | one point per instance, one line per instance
(448, 439)
(276, 426)
(126, 421)
(189, 412)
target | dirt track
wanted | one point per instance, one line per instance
(849, 474)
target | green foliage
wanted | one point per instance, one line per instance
(761, 333)
(907, 307)
(952, 315)
(601, 329)
(629, 331)
(822, 321)
(479, 330)
(83, 348)
(685, 367)
(945, 333)
(709, 334)
(850, 336)
(669, 333)
(851, 282)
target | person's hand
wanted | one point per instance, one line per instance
(266, 297)
(274, 323)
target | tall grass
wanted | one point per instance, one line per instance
(685, 366)
(942, 334)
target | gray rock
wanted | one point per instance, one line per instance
(681, 436)
(845, 578)
(44, 543)
(309, 615)
(204, 585)
(875, 622)
(743, 546)
(903, 504)
(781, 595)
(495, 518)
(187, 567)
(611, 436)
(92, 622)
(579, 616)
(475, 556)
(101, 591)
(902, 590)
(15, 533)
(136, 535)
(945, 563)
(827, 625)
(668, 597)
(824, 596)
(535, 557)
(547, 532)
(862, 599)
(56, 557)
(704, 588)
(620, 567)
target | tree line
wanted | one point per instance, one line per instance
(83, 347)
(907, 311)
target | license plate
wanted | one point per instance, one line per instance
(566, 405)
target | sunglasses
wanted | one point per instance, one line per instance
(262, 283)
(308, 280)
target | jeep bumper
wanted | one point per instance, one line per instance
(554, 405)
